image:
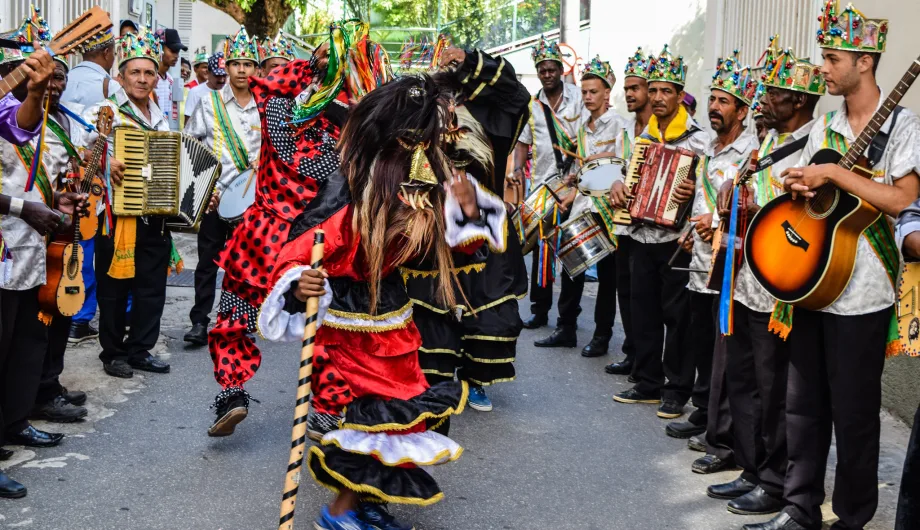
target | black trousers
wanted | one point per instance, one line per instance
(835, 383)
(624, 291)
(720, 440)
(758, 362)
(212, 237)
(908, 517)
(50, 386)
(23, 343)
(697, 362)
(147, 288)
(660, 319)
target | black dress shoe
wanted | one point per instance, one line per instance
(782, 521)
(757, 502)
(597, 347)
(5, 454)
(632, 379)
(58, 410)
(118, 368)
(536, 322)
(730, 490)
(696, 443)
(74, 398)
(198, 335)
(81, 332)
(623, 367)
(632, 395)
(707, 464)
(561, 338)
(150, 364)
(683, 429)
(32, 437)
(9, 488)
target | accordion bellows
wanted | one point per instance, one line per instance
(167, 174)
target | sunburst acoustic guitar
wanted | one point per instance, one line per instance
(804, 252)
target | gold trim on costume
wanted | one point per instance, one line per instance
(479, 65)
(379, 456)
(477, 91)
(465, 394)
(498, 73)
(368, 329)
(365, 316)
(489, 337)
(490, 383)
(413, 273)
(488, 361)
(435, 372)
(431, 308)
(439, 350)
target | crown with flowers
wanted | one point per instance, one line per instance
(666, 68)
(598, 68)
(201, 56)
(734, 78)
(782, 69)
(279, 47)
(33, 28)
(140, 45)
(240, 47)
(546, 51)
(637, 65)
(850, 30)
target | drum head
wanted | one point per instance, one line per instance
(236, 198)
(597, 176)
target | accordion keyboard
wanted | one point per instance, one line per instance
(131, 148)
(633, 174)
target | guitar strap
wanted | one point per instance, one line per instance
(563, 163)
(779, 154)
(880, 142)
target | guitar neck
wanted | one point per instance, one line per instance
(12, 80)
(878, 119)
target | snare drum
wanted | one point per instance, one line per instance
(539, 206)
(597, 176)
(238, 196)
(582, 243)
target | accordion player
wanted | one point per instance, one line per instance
(655, 171)
(167, 174)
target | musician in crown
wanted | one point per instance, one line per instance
(274, 53)
(659, 298)
(30, 211)
(228, 123)
(134, 262)
(837, 353)
(199, 67)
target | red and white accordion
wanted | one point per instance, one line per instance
(655, 171)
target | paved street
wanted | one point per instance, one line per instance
(557, 453)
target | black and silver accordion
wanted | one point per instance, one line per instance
(167, 174)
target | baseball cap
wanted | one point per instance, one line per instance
(128, 22)
(689, 101)
(216, 64)
(171, 40)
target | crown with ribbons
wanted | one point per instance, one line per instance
(850, 30)
(240, 47)
(666, 68)
(140, 45)
(756, 107)
(33, 28)
(279, 47)
(201, 56)
(546, 51)
(734, 78)
(637, 65)
(598, 68)
(782, 69)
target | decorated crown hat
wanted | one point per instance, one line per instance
(782, 69)
(734, 78)
(850, 30)
(99, 41)
(240, 47)
(598, 68)
(637, 65)
(666, 68)
(546, 51)
(140, 45)
(33, 28)
(279, 47)
(756, 107)
(201, 56)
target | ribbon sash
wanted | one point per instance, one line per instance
(234, 143)
(62, 135)
(27, 156)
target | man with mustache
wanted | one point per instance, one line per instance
(837, 354)
(659, 295)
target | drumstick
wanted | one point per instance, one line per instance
(680, 243)
(567, 152)
(299, 430)
(248, 182)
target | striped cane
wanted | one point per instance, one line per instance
(299, 430)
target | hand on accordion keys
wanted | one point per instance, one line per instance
(618, 195)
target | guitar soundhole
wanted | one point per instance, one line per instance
(823, 203)
(97, 190)
(73, 268)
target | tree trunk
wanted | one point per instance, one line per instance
(263, 19)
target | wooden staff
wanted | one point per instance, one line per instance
(299, 430)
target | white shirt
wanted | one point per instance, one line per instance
(719, 167)
(602, 139)
(870, 289)
(85, 84)
(194, 96)
(747, 290)
(165, 101)
(246, 122)
(537, 134)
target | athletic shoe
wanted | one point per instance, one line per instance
(478, 399)
(82, 332)
(346, 521)
(320, 423)
(377, 517)
(670, 409)
(232, 407)
(634, 396)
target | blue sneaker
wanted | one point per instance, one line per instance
(479, 400)
(377, 517)
(346, 521)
